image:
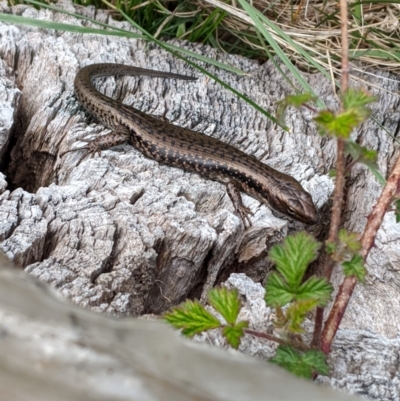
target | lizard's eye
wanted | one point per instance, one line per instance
(290, 211)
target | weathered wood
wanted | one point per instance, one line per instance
(121, 233)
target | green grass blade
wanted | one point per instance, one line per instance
(18, 20)
(69, 28)
(78, 16)
(206, 59)
(255, 16)
(388, 54)
(202, 70)
(272, 59)
(299, 49)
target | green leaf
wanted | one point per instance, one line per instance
(355, 112)
(350, 240)
(262, 23)
(226, 302)
(355, 267)
(316, 288)
(111, 30)
(293, 256)
(293, 100)
(378, 175)
(340, 125)
(277, 291)
(192, 318)
(366, 156)
(292, 259)
(296, 313)
(330, 247)
(324, 119)
(233, 334)
(332, 173)
(303, 364)
(356, 98)
(181, 30)
(397, 211)
(18, 20)
(348, 245)
(177, 52)
(299, 100)
(358, 152)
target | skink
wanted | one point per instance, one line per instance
(189, 150)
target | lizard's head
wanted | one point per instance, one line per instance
(295, 202)
(288, 197)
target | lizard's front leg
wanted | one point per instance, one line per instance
(120, 135)
(236, 198)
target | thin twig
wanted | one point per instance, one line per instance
(297, 345)
(340, 173)
(391, 189)
(333, 231)
(345, 45)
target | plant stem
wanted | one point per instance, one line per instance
(345, 46)
(297, 345)
(340, 173)
(333, 231)
(346, 289)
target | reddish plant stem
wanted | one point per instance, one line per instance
(392, 189)
(270, 337)
(340, 174)
(319, 317)
(333, 232)
(337, 202)
(266, 336)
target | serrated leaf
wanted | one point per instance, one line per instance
(316, 288)
(330, 247)
(324, 119)
(340, 125)
(303, 364)
(300, 100)
(355, 150)
(277, 292)
(350, 240)
(356, 98)
(192, 318)
(293, 256)
(293, 100)
(376, 172)
(233, 334)
(355, 267)
(226, 302)
(296, 313)
(316, 359)
(365, 156)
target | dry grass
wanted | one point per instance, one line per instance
(374, 30)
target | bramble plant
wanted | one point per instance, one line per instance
(293, 297)
(286, 290)
(193, 318)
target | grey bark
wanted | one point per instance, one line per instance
(122, 234)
